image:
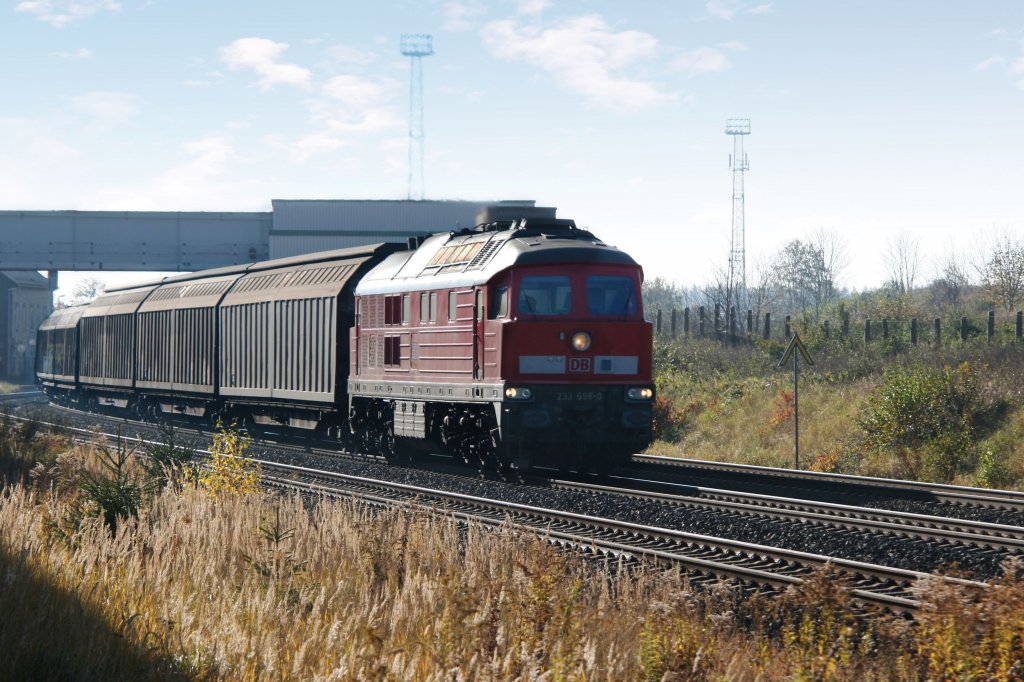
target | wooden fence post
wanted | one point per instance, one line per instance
(750, 322)
(701, 315)
(673, 323)
(938, 332)
(846, 325)
(867, 331)
(718, 317)
(885, 327)
(963, 328)
(991, 325)
(657, 326)
(686, 322)
(789, 328)
(1020, 324)
(913, 331)
(828, 329)
(766, 333)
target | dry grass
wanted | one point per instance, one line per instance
(258, 587)
(6, 387)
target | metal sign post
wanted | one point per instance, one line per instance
(796, 344)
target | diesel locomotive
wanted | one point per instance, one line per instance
(514, 344)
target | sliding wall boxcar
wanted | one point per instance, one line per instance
(284, 326)
(107, 338)
(57, 346)
(177, 350)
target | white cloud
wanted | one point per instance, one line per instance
(989, 63)
(723, 9)
(261, 55)
(734, 45)
(531, 7)
(350, 55)
(60, 13)
(107, 108)
(583, 56)
(1018, 66)
(348, 106)
(728, 9)
(198, 83)
(701, 60)
(198, 183)
(32, 161)
(78, 55)
(459, 14)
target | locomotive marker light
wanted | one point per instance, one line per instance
(640, 393)
(581, 341)
(514, 393)
(796, 344)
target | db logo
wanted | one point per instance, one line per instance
(580, 364)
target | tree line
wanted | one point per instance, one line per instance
(805, 278)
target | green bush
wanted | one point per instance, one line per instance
(928, 418)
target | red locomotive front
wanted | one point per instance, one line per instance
(515, 344)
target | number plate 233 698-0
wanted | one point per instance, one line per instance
(579, 396)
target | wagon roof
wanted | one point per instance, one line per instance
(64, 318)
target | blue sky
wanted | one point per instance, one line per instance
(872, 119)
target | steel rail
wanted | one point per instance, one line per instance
(760, 564)
(887, 522)
(963, 495)
(774, 567)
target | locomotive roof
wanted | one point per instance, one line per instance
(471, 257)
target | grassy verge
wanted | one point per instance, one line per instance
(952, 414)
(209, 584)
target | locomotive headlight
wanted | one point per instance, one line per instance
(518, 393)
(640, 393)
(581, 341)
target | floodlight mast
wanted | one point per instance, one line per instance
(736, 287)
(416, 47)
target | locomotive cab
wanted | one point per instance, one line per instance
(576, 363)
(518, 344)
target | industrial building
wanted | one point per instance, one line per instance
(54, 241)
(25, 301)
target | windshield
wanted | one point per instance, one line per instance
(545, 295)
(611, 295)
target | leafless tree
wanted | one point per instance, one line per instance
(903, 260)
(761, 290)
(84, 292)
(951, 283)
(1003, 276)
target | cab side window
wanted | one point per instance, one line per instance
(499, 303)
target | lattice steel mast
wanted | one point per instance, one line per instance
(736, 287)
(416, 47)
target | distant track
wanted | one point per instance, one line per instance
(825, 483)
(887, 522)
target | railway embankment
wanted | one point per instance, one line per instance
(202, 582)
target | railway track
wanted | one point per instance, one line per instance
(664, 543)
(891, 523)
(826, 483)
(698, 555)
